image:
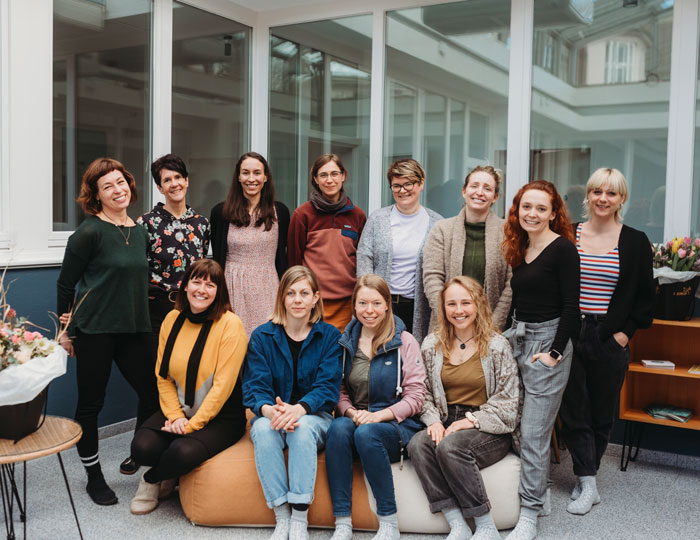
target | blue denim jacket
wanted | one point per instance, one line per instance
(269, 368)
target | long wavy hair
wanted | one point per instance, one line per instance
(484, 327)
(515, 239)
(387, 329)
(236, 205)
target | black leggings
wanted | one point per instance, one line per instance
(94, 353)
(169, 454)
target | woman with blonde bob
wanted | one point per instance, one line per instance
(381, 395)
(616, 298)
(291, 383)
(470, 408)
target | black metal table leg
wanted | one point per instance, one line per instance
(631, 442)
(8, 494)
(70, 496)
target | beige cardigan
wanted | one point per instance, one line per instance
(442, 260)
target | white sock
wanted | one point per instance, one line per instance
(300, 516)
(283, 511)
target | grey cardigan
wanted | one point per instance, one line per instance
(374, 256)
(443, 254)
(501, 412)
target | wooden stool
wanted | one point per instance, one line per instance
(55, 435)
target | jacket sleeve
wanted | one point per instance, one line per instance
(231, 352)
(344, 402)
(325, 389)
(429, 414)
(296, 240)
(413, 380)
(500, 412)
(365, 249)
(500, 312)
(257, 376)
(433, 265)
(79, 253)
(642, 312)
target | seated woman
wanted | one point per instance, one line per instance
(381, 396)
(291, 383)
(471, 408)
(201, 351)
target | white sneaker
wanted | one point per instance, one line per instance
(486, 533)
(583, 504)
(281, 530)
(342, 532)
(526, 529)
(387, 532)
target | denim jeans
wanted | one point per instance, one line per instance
(304, 443)
(449, 471)
(588, 409)
(543, 388)
(378, 445)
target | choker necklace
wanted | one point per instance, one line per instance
(119, 227)
(463, 344)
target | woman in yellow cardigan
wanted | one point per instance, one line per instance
(201, 351)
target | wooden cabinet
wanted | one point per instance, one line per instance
(679, 342)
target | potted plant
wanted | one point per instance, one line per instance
(28, 362)
(677, 274)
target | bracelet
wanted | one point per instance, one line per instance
(473, 419)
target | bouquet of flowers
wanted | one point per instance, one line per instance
(681, 254)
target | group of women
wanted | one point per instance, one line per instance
(321, 313)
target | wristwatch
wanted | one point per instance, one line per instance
(556, 355)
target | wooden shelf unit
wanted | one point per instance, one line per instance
(679, 342)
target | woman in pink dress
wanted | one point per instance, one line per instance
(249, 240)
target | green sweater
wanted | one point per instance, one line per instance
(474, 261)
(112, 278)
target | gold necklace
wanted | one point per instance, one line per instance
(126, 238)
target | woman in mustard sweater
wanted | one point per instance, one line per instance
(201, 351)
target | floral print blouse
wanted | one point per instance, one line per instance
(174, 244)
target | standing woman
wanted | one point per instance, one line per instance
(202, 347)
(381, 396)
(323, 236)
(291, 383)
(617, 298)
(392, 242)
(249, 240)
(106, 258)
(471, 408)
(539, 245)
(469, 244)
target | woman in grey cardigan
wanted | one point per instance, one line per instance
(392, 242)
(470, 408)
(470, 244)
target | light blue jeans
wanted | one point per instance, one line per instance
(304, 443)
(543, 390)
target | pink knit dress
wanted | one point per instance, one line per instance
(250, 273)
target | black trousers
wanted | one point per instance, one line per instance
(94, 354)
(587, 411)
(403, 309)
(160, 303)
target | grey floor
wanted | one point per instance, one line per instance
(648, 501)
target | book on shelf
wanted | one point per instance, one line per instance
(669, 412)
(658, 364)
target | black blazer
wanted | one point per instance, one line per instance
(219, 233)
(632, 304)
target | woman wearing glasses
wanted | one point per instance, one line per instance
(469, 244)
(392, 245)
(323, 236)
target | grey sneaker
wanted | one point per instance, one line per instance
(342, 532)
(387, 532)
(281, 530)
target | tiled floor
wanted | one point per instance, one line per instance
(648, 501)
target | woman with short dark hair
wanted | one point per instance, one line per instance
(201, 352)
(106, 258)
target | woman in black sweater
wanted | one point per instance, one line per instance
(538, 244)
(617, 298)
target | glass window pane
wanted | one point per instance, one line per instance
(446, 97)
(600, 99)
(319, 102)
(101, 98)
(211, 107)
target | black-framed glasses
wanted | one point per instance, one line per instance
(408, 186)
(334, 175)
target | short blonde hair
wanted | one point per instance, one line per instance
(290, 277)
(405, 168)
(606, 177)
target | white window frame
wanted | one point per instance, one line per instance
(4, 129)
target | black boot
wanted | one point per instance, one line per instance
(97, 488)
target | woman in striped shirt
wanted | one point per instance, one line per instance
(617, 296)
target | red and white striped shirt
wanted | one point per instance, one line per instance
(599, 275)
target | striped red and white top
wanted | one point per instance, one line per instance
(599, 275)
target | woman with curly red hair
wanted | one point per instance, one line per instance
(539, 245)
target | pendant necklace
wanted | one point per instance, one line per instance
(119, 228)
(463, 344)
